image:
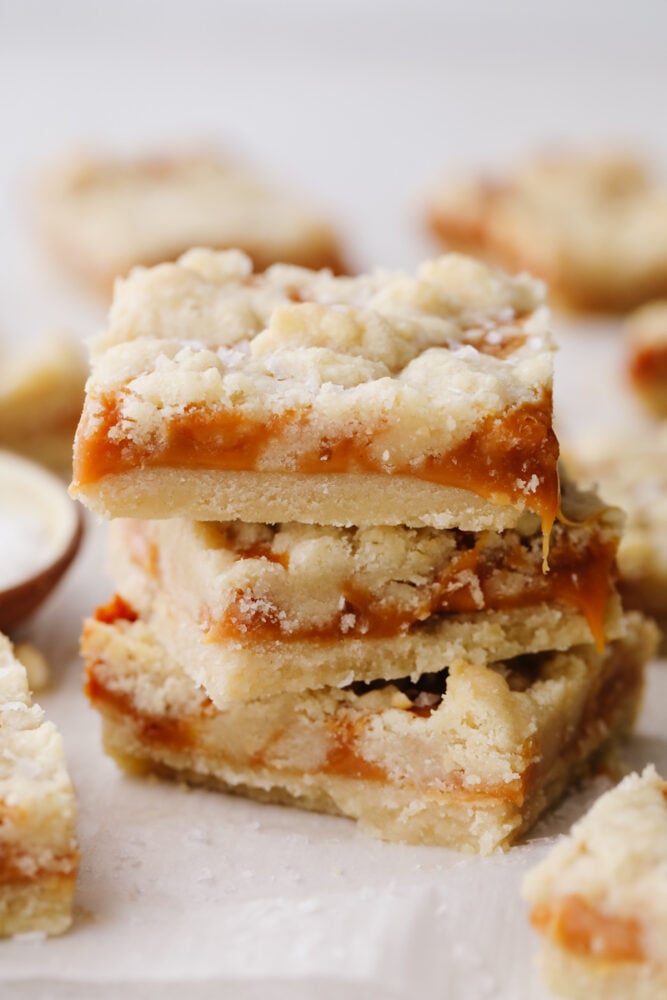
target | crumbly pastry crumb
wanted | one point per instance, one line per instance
(593, 226)
(38, 844)
(386, 394)
(466, 757)
(600, 897)
(102, 216)
(646, 338)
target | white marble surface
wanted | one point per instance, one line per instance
(197, 895)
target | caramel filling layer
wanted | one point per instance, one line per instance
(578, 926)
(497, 461)
(474, 580)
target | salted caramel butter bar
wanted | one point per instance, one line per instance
(599, 899)
(594, 226)
(420, 399)
(38, 844)
(466, 757)
(102, 216)
(252, 610)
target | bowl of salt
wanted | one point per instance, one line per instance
(40, 532)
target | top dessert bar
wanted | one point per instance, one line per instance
(593, 226)
(103, 216)
(392, 398)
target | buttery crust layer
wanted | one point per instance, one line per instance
(270, 497)
(467, 759)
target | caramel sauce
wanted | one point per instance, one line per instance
(573, 923)
(116, 609)
(582, 579)
(491, 462)
(158, 729)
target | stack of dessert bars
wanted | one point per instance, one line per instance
(347, 576)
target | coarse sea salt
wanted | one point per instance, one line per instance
(23, 547)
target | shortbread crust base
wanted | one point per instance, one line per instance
(338, 499)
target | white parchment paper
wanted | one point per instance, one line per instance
(188, 894)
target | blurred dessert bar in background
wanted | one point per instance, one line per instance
(599, 899)
(38, 845)
(102, 216)
(647, 355)
(466, 757)
(41, 396)
(391, 398)
(631, 471)
(593, 226)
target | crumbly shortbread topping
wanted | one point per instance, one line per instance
(615, 860)
(305, 372)
(594, 226)
(113, 215)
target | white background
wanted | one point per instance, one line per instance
(359, 105)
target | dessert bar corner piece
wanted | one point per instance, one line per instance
(38, 844)
(254, 610)
(391, 398)
(101, 217)
(466, 758)
(599, 899)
